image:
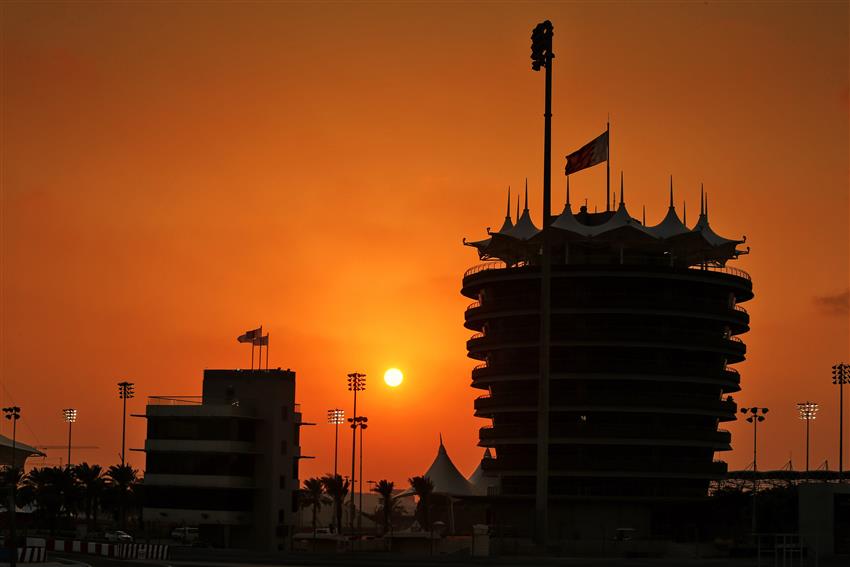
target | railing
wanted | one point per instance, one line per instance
(521, 430)
(473, 305)
(629, 464)
(684, 403)
(724, 270)
(175, 400)
(741, 309)
(476, 336)
(499, 265)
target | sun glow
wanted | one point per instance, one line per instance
(393, 377)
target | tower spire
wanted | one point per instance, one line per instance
(644, 215)
(706, 206)
(685, 213)
(622, 194)
(526, 194)
(508, 209)
(701, 200)
(671, 191)
(517, 208)
(568, 190)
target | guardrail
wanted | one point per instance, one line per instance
(741, 309)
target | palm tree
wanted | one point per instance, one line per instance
(54, 490)
(313, 495)
(385, 489)
(121, 479)
(424, 489)
(337, 488)
(93, 484)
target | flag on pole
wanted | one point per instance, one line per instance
(251, 336)
(262, 341)
(592, 153)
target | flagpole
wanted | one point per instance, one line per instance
(608, 166)
(267, 350)
(252, 354)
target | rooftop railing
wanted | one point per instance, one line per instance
(175, 400)
(499, 265)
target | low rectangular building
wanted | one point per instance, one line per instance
(226, 461)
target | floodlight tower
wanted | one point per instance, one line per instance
(356, 383)
(70, 415)
(757, 415)
(13, 413)
(359, 422)
(335, 417)
(541, 57)
(808, 412)
(841, 376)
(125, 392)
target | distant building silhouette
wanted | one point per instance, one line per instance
(644, 327)
(226, 462)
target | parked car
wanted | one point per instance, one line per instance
(185, 534)
(118, 536)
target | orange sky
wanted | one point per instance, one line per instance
(174, 174)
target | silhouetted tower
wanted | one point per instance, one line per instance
(644, 330)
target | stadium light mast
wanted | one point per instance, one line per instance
(541, 57)
(808, 412)
(13, 413)
(757, 415)
(841, 376)
(356, 383)
(335, 417)
(70, 415)
(125, 392)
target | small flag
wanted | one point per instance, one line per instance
(262, 341)
(251, 336)
(592, 153)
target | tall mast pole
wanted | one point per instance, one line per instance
(541, 55)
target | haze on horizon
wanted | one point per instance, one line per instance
(175, 174)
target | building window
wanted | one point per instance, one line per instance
(283, 447)
(282, 482)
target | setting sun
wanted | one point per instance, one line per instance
(393, 377)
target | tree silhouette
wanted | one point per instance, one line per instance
(385, 489)
(424, 489)
(337, 488)
(121, 480)
(93, 483)
(313, 495)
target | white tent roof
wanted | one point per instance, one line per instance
(445, 476)
(479, 482)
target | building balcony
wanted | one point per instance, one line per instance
(614, 467)
(199, 480)
(655, 337)
(661, 403)
(200, 446)
(593, 434)
(196, 407)
(636, 305)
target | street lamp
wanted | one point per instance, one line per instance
(125, 392)
(70, 415)
(757, 415)
(808, 412)
(13, 413)
(356, 383)
(335, 417)
(359, 422)
(841, 376)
